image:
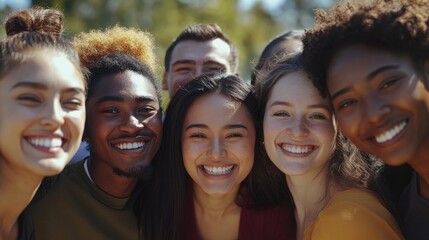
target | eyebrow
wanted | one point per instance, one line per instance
(42, 86)
(121, 99)
(30, 85)
(319, 105)
(183, 62)
(230, 126)
(370, 76)
(205, 61)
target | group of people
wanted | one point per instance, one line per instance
(328, 139)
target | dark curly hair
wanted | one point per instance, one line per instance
(399, 26)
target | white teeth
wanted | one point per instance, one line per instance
(218, 170)
(391, 133)
(129, 146)
(46, 142)
(296, 149)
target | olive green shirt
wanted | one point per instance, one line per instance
(73, 207)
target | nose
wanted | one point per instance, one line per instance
(216, 150)
(53, 116)
(298, 128)
(131, 123)
(376, 109)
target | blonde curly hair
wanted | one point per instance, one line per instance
(95, 44)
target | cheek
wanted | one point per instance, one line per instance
(77, 120)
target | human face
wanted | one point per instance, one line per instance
(123, 123)
(218, 140)
(299, 129)
(42, 113)
(380, 102)
(190, 59)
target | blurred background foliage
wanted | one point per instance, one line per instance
(250, 24)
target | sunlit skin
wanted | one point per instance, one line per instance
(299, 130)
(124, 129)
(190, 59)
(218, 141)
(299, 136)
(42, 116)
(218, 132)
(381, 104)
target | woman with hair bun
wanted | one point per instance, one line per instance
(42, 110)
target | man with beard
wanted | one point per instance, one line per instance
(94, 198)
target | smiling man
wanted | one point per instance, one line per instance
(199, 49)
(94, 198)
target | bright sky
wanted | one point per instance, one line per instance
(268, 4)
(243, 4)
(15, 3)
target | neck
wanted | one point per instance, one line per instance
(310, 194)
(215, 205)
(420, 163)
(17, 187)
(108, 181)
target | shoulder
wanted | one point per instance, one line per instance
(358, 213)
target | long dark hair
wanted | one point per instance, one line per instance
(163, 205)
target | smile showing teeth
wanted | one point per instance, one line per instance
(46, 142)
(384, 137)
(218, 170)
(297, 149)
(129, 146)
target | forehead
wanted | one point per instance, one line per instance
(215, 49)
(127, 84)
(357, 61)
(49, 67)
(297, 88)
(216, 109)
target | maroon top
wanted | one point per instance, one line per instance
(274, 223)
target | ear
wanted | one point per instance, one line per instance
(164, 82)
(426, 74)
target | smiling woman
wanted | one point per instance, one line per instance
(42, 95)
(210, 154)
(328, 178)
(371, 59)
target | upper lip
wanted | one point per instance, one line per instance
(130, 139)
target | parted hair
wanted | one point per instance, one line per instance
(399, 26)
(202, 33)
(34, 29)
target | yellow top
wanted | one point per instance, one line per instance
(354, 214)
